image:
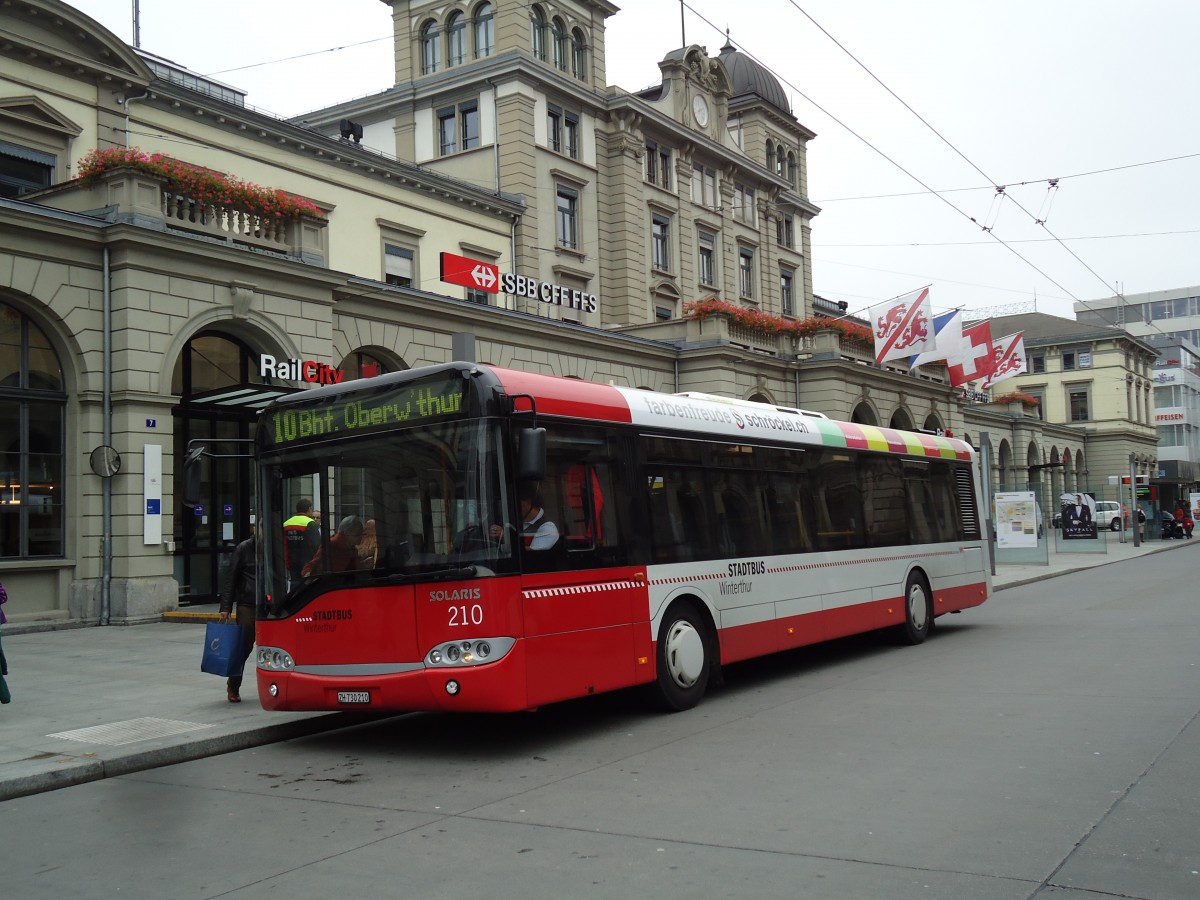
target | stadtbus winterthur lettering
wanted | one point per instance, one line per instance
(396, 407)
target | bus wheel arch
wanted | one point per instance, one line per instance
(918, 608)
(686, 655)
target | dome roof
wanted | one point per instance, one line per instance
(749, 77)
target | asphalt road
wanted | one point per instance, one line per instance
(1044, 745)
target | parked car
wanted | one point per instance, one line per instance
(1112, 515)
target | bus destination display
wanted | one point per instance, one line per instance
(410, 403)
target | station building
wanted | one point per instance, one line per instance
(500, 200)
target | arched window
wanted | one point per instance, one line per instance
(770, 156)
(864, 415)
(431, 48)
(456, 39)
(560, 44)
(537, 32)
(32, 438)
(361, 364)
(485, 31)
(791, 169)
(578, 55)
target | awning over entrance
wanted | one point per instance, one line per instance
(247, 396)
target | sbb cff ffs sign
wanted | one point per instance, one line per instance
(470, 273)
(479, 275)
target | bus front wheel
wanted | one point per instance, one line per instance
(918, 610)
(684, 661)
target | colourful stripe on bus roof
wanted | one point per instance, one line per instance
(871, 437)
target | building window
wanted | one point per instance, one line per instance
(23, 170)
(456, 39)
(706, 259)
(1037, 364)
(431, 48)
(468, 116)
(362, 365)
(578, 55)
(562, 131)
(475, 295)
(447, 131)
(485, 31)
(1040, 397)
(663, 312)
(785, 234)
(1078, 402)
(32, 439)
(743, 203)
(567, 217)
(658, 165)
(770, 156)
(786, 297)
(791, 169)
(537, 32)
(660, 242)
(704, 186)
(561, 45)
(1068, 359)
(399, 265)
(554, 128)
(746, 272)
(458, 128)
(571, 134)
(780, 163)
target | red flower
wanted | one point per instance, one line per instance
(204, 185)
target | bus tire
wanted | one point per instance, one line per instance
(918, 610)
(684, 658)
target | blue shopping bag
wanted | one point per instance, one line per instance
(222, 649)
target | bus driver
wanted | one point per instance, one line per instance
(537, 532)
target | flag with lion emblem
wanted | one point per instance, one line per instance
(903, 327)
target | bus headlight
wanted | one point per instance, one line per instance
(469, 653)
(275, 659)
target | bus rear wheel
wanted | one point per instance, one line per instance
(683, 657)
(918, 610)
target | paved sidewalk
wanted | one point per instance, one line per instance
(90, 703)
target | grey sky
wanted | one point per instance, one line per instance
(1025, 90)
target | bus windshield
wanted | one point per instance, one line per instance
(411, 502)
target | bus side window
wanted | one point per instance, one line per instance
(583, 471)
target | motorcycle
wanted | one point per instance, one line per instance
(1170, 527)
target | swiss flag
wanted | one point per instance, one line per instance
(975, 358)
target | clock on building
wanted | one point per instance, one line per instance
(700, 110)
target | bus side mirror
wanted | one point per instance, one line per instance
(531, 455)
(191, 477)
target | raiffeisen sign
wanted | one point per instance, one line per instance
(485, 276)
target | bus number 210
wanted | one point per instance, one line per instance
(466, 615)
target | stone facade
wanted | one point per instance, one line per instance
(156, 271)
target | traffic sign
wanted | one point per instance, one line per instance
(471, 273)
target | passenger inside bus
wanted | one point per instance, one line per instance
(343, 549)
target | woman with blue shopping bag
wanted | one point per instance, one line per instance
(240, 596)
(5, 696)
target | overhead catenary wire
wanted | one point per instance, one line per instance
(999, 188)
(880, 152)
(1050, 181)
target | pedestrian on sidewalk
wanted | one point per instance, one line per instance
(240, 597)
(5, 696)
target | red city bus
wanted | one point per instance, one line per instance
(676, 533)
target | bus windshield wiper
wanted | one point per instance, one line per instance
(452, 574)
